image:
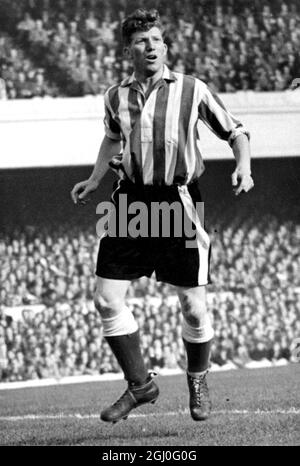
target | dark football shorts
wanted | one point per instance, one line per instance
(155, 229)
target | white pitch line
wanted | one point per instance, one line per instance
(63, 416)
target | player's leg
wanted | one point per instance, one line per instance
(120, 327)
(197, 333)
(184, 262)
(121, 332)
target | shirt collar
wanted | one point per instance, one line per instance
(167, 76)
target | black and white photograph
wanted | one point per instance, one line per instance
(149, 226)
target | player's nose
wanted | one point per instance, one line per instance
(149, 45)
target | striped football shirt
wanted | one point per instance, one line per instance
(160, 134)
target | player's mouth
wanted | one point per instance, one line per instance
(151, 58)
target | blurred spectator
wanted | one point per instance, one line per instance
(3, 93)
(19, 78)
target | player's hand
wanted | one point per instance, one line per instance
(241, 181)
(82, 189)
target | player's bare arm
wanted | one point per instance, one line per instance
(241, 177)
(108, 149)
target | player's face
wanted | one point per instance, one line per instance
(147, 51)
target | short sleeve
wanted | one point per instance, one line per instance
(218, 119)
(112, 127)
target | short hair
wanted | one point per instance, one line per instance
(140, 20)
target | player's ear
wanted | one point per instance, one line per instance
(165, 49)
(127, 52)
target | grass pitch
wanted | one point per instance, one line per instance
(250, 407)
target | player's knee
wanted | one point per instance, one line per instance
(107, 303)
(194, 311)
(201, 333)
(122, 323)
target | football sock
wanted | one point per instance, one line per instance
(127, 351)
(197, 356)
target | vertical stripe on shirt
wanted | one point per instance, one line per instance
(171, 128)
(133, 106)
(191, 152)
(186, 102)
(199, 165)
(159, 123)
(123, 111)
(147, 118)
(114, 101)
(135, 159)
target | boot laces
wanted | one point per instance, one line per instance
(200, 388)
(126, 394)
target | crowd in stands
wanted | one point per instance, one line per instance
(20, 78)
(231, 45)
(253, 301)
